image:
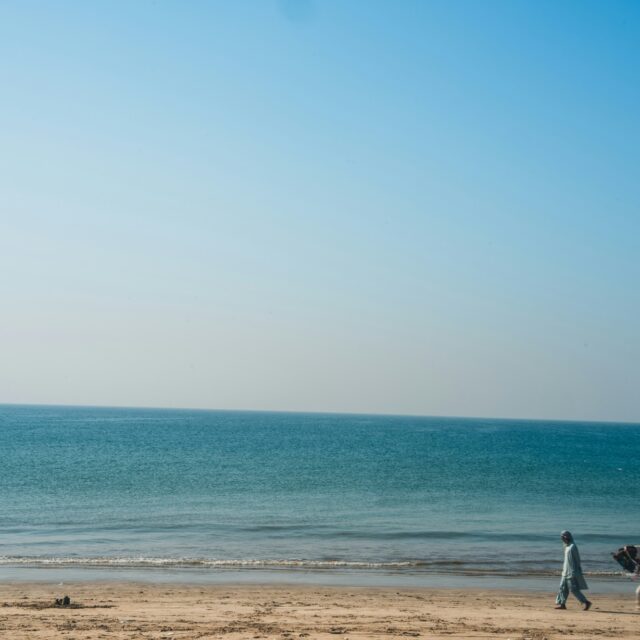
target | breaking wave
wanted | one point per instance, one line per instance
(435, 566)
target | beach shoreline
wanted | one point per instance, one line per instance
(180, 611)
(25, 574)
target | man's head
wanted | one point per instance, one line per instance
(566, 536)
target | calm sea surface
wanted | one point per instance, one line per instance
(97, 487)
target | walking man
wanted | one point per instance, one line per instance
(572, 577)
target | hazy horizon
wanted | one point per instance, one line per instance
(365, 207)
(549, 419)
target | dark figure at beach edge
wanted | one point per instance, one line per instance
(572, 578)
(629, 559)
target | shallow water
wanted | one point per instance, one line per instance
(219, 492)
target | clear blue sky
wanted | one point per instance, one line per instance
(399, 207)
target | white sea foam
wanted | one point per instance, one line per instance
(139, 562)
(198, 562)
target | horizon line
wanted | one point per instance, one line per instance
(312, 412)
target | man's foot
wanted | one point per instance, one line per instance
(586, 606)
(562, 606)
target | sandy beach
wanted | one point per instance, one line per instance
(127, 610)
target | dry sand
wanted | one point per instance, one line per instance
(115, 610)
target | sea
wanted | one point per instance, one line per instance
(211, 496)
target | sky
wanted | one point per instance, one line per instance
(410, 207)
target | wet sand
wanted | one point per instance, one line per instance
(127, 610)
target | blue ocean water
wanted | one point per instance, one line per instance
(213, 490)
